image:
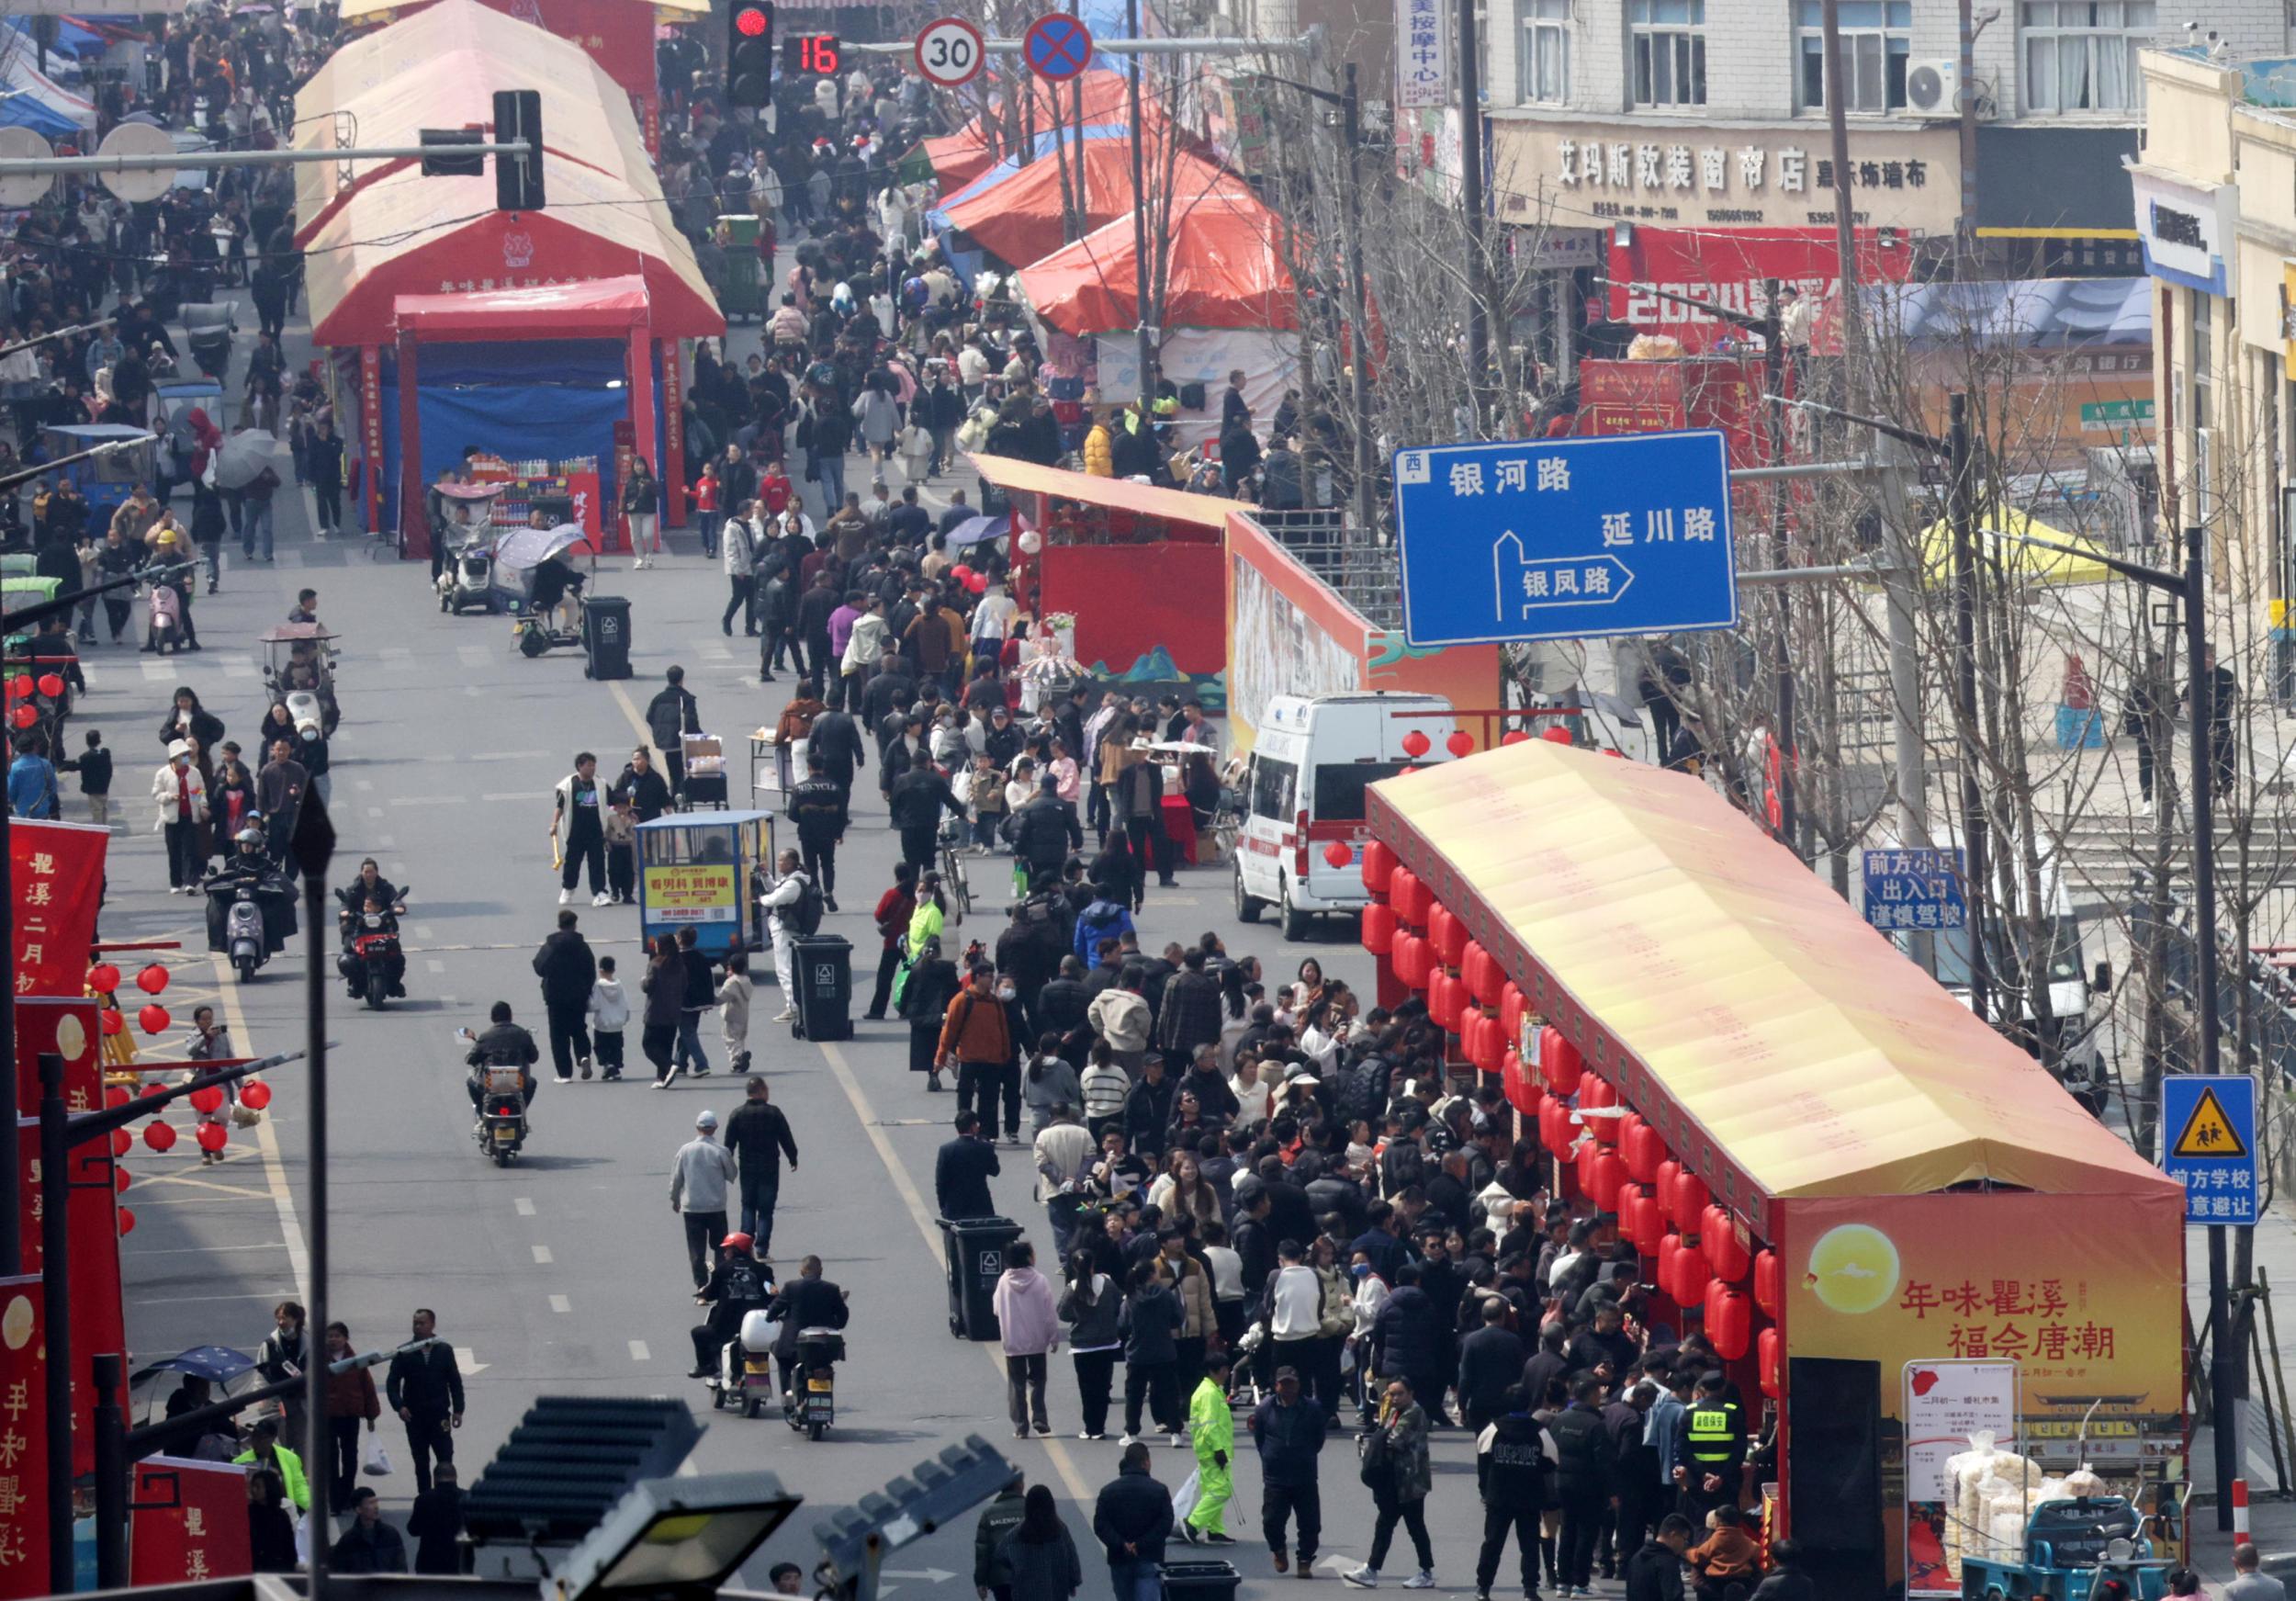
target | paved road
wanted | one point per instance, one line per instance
(563, 1274)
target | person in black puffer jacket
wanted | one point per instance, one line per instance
(1409, 1335)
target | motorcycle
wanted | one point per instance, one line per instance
(370, 962)
(500, 1131)
(811, 1407)
(247, 917)
(745, 1366)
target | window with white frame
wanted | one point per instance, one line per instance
(2080, 55)
(1544, 66)
(1669, 39)
(1876, 39)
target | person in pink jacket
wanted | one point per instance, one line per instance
(1032, 1332)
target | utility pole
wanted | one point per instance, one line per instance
(1145, 331)
(1471, 69)
(1966, 105)
(1351, 131)
(313, 846)
(1845, 228)
(1961, 499)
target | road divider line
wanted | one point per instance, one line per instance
(268, 1141)
(525, 1206)
(638, 1353)
(542, 1257)
(560, 1303)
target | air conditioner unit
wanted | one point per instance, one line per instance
(1932, 87)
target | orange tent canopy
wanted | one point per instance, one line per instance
(1019, 220)
(1226, 269)
(959, 158)
(1728, 993)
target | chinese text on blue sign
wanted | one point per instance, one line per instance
(1908, 888)
(2208, 1139)
(1565, 539)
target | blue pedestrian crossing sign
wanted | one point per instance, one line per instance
(2208, 1142)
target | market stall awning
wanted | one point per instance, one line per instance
(1142, 500)
(607, 309)
(2000, 541)
(1790, 1042)
(959, 158)
(1224, 269)
(1017, 213)
(29, 98)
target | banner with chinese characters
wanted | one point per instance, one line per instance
(67, 1027)
(23, 1434)
(1728, 268)
(2090, 1314)
(99, 1323)
(1947, 1405)
(189, 1522)
(1422, 53)
(58, 877)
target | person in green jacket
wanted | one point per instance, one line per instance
(1211, 1426)
(262, 1444)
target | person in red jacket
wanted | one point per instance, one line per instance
(894, 908)
(350, 1400)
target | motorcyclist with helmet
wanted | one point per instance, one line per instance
(504, 1045)
(250, 863)
(738, 1286)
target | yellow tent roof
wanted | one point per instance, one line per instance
(2027, 563)
(1783, 1047)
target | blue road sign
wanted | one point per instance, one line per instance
(2208, 1143)
(1565, 539)
(1057, 47)
(1914, 889)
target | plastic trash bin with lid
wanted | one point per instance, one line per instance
(1212, 1581)
(823, 966)
(977, 1260)
(606, 637)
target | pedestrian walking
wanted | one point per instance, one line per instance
(609, 1015)
(641, 507)
(1514, 1464)
(1211, 1430)
(671, 715)
(578, 831)
(424, 1388)
(962, 1171)
(1030, 1328)
(1150, 1324)
(1288, 1430)
(1090, 1306)
(1037, 1561)
(701, 994)
(819, 808)
(1131, 1517)
(179, 797)
(1584, 1480)
(351, 1402)
(997, 1519)
(732, 1012)
(1396, 1470)
(894, 908)
(698, 1178)
(570, 973)
(759, 1136)
(286, 1354)
(793, 911)
(976, 1042)
(664, 986)
(370, 1545)
(436, 1522)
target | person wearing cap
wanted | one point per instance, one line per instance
(179, 796)
(698, 1178)
(1289, 1430)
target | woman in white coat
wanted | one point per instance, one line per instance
(179, 796)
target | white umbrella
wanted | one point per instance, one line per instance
(243, 458)
(527, 548)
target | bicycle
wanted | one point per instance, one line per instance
(953, 879)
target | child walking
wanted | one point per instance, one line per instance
(608, 1015)
(733, 1010)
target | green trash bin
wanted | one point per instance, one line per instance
(741, 294)
(18, 565)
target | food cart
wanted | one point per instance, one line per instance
(108, 478)
(705, 871)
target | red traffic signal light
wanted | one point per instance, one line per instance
(753, 21)
(749, 55)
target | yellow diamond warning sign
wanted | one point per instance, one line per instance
(2207, 1132)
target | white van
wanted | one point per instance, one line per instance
(1312, 762)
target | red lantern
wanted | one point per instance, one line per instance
(1490, 1044)
(1717, 1235)
(208, 1100)
(1643, 1219)
(1769, 1281)
(1609, 1178)
(152, 980)
(1510, 1009)
(213, 1137)
(254, 1094)
(1670, 1247)
(152, 1019)
(1770, 1346)
(122, 1141)
(151, 1089)
(1691, 1277)
(1556, 734)
(1378, 867)
(1461, 743)
(1338, 854)
(1583, 1162)
(1554, 1132)
(50, 686)
(117, 1097)
(1379, 929)
(23, 716)
(1447, 934)
(113, 1021)
(18, 687)
(1598, 1094)
(127, 1221)
(1644, 1147)
(119, 1174)
(159, 1136)
(1690, 1201)
(1663, 1182)
(1403, 894)
(1559, 1060)
(103, 978)
(1445, 1000)
(1729, 1321)
(1514, 735)
(1416, 744)
(1405, 955)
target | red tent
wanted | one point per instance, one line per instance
(1019, 218)
(1225, 270)
(959, 158)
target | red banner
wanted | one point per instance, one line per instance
(190, 1522)
(58, 877)
(1727, 268)
(69, 1028)
(99, 1323)
(23, 1439)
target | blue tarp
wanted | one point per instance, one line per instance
(939, 216)
(2033, 313)
(71, 38)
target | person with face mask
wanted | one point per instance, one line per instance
(979, 1038)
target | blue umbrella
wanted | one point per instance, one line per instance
(979, 531)
(219, 1364)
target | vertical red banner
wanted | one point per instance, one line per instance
(371, 430)
(68, 1026)
(189, 1522)
(673, 422)
(99, 1321)
(57, 879)
(23, 1431)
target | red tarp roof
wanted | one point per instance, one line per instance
(1020, 219)
(1225, 270)
(606, 308)
(959, 158)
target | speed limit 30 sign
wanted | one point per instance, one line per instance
(949, 52)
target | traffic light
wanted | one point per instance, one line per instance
(812, 55)
(518, 178)
(750, 54)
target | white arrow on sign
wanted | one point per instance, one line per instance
(930, 1576)
(468, 1363)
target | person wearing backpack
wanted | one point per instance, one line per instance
(792, 911)
(1514, 1469)
(818, 808)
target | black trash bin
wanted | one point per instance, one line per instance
(977, 1260)
(823, 966)
(606, 637)
(1200, 1580)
